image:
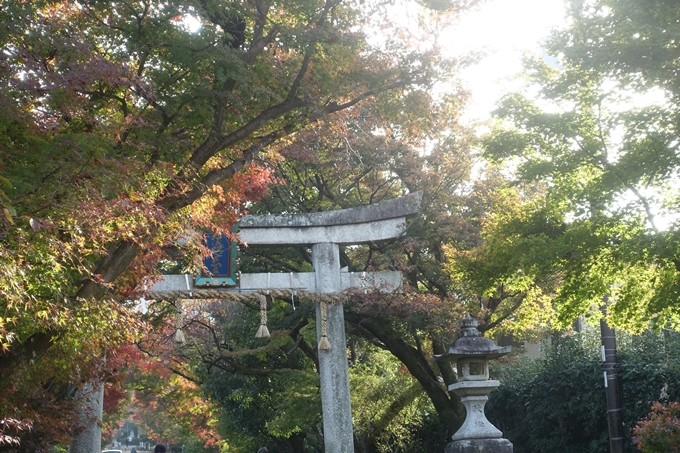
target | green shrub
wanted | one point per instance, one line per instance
(558, 404)
(660, 431)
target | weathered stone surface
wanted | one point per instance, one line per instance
(359, 233)
(473, 395)
(386, 281)
(390, 209)
(474, 388)
(333, 372)
(471, 343)
(476, 426)
(360, 225)
(480, 446)
(92, 400)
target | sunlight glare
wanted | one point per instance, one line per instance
(191, 23)
(503, 30)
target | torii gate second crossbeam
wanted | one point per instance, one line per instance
(324, 232)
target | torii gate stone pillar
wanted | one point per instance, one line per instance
(333, 372)
(324, 232)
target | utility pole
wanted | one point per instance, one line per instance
(612, 384)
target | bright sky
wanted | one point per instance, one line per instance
(504, 29)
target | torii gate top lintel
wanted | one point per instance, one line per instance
(379, 221)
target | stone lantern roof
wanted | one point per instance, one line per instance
(471, 344)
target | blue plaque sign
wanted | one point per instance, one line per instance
(220, 268)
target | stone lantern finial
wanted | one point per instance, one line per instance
(472, 352)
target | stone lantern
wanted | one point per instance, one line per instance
(472, 352)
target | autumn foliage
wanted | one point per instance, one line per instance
(11, 426)
(660, 431)
(125, 132)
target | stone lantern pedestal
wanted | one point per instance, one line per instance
(479, 446)
(477, 434)
(472, 353)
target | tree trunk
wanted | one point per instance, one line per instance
(446, 368)
(400, 402)
(109, 269)
(450, 411)
(297, 442)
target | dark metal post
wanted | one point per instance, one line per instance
(612, 387)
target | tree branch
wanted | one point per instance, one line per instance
(450, 411)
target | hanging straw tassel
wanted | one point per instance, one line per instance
(180, 337)
(324, 343)
(262, 332)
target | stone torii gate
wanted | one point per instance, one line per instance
(325, 232)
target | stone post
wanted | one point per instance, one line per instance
(334, 376)
(91, 400)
